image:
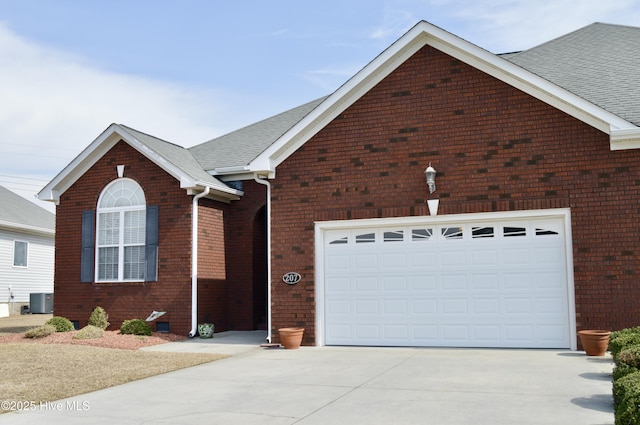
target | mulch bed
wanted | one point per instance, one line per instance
(110, 339)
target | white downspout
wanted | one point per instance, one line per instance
(194, 261)
(266, 183)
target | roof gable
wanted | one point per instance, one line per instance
(174, 159)
(19, 214)
(623, 133)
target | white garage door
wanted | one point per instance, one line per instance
(476, 284)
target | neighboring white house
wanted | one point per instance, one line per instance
(27, 234)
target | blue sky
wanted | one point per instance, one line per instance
(191, 70)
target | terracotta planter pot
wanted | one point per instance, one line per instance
(291, 338)
(594, 342)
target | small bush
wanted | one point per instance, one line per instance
(99, 318)
(89, 332)
(622, 370)
(135, 327)
(62, 324)
(629, 356)
(623, 338)
(626, 396)
(40, 331)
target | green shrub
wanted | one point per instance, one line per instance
(622, 370)
(135, 327)
(99, 318)
(629, 356)
(626, 399)
(62, 324)
(40, 332)
(623, 338)
(89, 332)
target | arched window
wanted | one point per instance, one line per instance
(121, 225)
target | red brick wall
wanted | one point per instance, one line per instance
(225, 247)
(495, 149)
(240, 255)
(212, 273)
(122, 301)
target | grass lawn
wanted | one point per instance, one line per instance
(47, 372)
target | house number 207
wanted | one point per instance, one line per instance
(291, 278)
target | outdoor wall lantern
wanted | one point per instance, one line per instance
(430, 174)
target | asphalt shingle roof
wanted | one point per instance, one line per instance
(14, 209)
(600, 63)
(177, 155)
(240, 147)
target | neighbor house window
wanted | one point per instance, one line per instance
(20, 253)
(120, 234)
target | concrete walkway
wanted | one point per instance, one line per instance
(351, 385)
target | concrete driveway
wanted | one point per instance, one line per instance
(351, 385)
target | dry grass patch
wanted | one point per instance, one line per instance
(48, 372)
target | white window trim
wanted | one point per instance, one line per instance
(26, 254)
(121, 228)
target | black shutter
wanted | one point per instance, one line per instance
(151, 245)
(88, 247)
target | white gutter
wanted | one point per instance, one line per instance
(27, 228)
(266, 183)
(194, 261)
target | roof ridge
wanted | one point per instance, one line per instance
(150, 135)
(614, 25)
(569, 34)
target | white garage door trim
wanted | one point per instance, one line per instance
(325, 227)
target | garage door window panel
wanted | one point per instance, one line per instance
(394, 236)
(418, 235)
(482, 232)
(451, 233)
(511, 231)
(366, 238)
(341, 241)
(545, 232)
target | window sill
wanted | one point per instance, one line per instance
(120, 283)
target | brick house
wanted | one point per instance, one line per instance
(528, 233)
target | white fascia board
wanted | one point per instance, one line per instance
(625, 139)
(419, 36)
(214, 195)
(27, 228)
(80, 165)
(221, 171)
(338, 101)
(100, 146)
(243, 172)
(186, 181)
(532, 84)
